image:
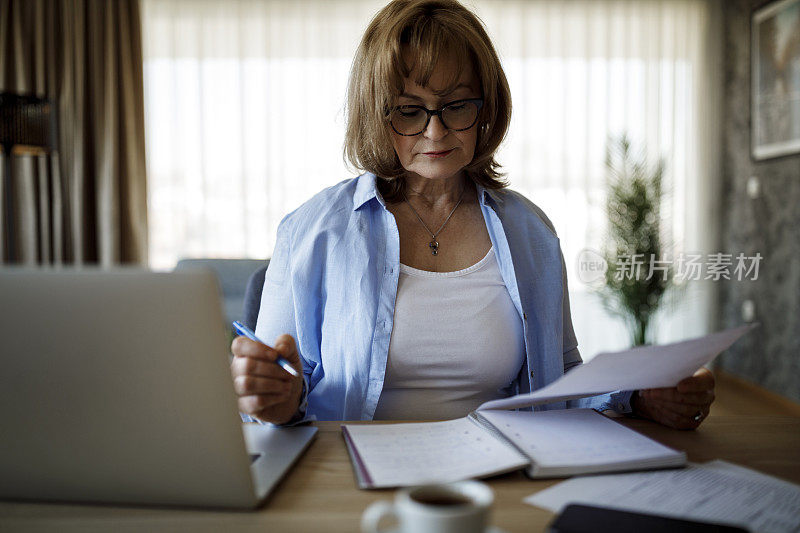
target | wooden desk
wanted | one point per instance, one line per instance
(320, 494)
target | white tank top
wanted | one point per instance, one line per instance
(456, 342)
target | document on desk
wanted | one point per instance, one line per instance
(716, 491)
(643, 367)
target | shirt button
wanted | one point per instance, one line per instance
(531, 373)
(525, 316)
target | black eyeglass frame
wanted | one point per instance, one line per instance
(437, 112)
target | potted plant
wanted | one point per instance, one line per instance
(638, 275)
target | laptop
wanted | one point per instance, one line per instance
(116, 387)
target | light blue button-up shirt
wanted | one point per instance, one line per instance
(332, 283)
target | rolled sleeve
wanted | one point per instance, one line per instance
(618, 401)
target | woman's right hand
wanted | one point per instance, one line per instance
(266, 391)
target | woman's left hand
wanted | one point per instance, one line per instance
(684, 406)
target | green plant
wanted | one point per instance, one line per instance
(633, 242)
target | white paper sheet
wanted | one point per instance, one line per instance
(397, 455)
(643, 367)
(715, 492)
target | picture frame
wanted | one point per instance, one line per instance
(775, 80)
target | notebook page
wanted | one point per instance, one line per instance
(397, 455)
(574, 437)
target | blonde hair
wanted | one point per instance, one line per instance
(429, 29)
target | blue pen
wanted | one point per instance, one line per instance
(247, 332)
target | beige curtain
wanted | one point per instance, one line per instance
(85, 203)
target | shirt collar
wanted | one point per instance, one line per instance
(366, 190)
(484, 194)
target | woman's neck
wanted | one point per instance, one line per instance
(436, 194)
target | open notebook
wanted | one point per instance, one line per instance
(546, 443)
(557, 443)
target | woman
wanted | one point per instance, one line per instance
(423, 287)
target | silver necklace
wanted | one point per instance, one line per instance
(434, 245)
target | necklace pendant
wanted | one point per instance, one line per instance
(434, 246)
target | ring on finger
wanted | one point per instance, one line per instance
(699, 416)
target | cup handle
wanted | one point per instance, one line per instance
(374, 514)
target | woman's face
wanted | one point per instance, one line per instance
(411, 150)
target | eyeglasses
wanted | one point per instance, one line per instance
(460, 115)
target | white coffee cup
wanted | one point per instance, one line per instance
(461, 507)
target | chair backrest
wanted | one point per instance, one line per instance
(233, 276)
(252, 296)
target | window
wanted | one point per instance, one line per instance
(244, 117)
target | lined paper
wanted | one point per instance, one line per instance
(397, 455)
(577, 439)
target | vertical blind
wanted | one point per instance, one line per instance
(244, 121)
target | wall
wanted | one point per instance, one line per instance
(768, 223)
